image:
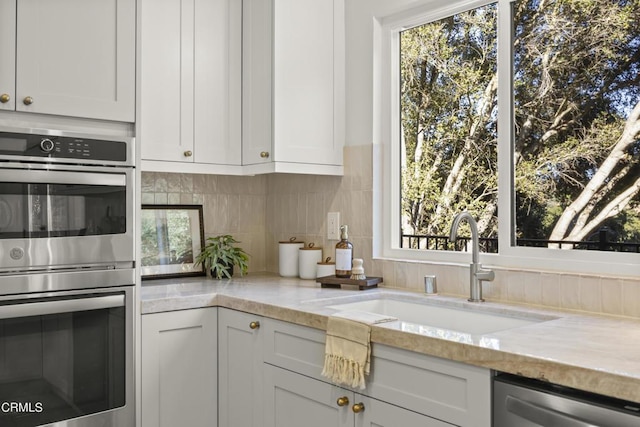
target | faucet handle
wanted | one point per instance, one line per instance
(485, 275)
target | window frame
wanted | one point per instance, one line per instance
(386, 156)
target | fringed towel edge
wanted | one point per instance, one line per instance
(341, 370)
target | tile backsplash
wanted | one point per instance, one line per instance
(263, 210)
(231, 205)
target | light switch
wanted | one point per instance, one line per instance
(333, 225)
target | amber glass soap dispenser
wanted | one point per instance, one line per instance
(344, 254)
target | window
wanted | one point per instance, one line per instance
(528, 108)
(448, 141)
(577, 107)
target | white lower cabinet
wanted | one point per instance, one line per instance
(179, 368)
(240, 366)
(254, 371)
(376, 413)
(418, 386)
(293, 400)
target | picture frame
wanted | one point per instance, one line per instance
(171, 238)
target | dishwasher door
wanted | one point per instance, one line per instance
(520, 402)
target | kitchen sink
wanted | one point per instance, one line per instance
(460, 319)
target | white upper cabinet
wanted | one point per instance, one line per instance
(190, 80)
(68, 58)
(7, 54)
(293, 86)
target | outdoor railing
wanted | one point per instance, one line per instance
(490, 244)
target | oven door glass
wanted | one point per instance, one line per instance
(42, 204)
(61, 358)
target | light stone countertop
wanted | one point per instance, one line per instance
(589, 352)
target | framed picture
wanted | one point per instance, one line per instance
(171, 238)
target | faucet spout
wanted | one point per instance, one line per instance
(476, 274)
(453, 235)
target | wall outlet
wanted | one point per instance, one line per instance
(333, 225)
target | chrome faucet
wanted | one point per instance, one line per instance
(476, 274)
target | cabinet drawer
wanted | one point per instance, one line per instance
(443, 389)
(293, 347)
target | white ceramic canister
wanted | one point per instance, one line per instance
(308, 260)
(326, 268)
(288, 257)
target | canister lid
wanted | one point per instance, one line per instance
(311, 247)
(291, 240)
(326, 262)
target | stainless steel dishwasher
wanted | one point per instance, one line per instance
(522, 402)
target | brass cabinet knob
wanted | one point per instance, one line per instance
(264, 154)
(188, 153)
(343, 401)
(358, 407)
(28, 100)
(254, 325)
(4, 98)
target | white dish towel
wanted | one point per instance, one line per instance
(347, 357)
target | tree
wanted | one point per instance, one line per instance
(449, 135)
(577, 119)
(577, 112)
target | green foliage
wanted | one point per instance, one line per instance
(221, 252)
(576, 144)
(449, 133)
(575, 68)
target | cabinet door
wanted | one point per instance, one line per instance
(306, 80)
(77, 58)
(376, 413)
(294, 400)
(7, 54)
(191, 63)
(257, 64)
(293, 83)
(240, 369)
(166, 83)
(218, 81)
(179, 368)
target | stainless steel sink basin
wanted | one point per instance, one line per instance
(466, 320)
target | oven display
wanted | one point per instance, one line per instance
(13, 145)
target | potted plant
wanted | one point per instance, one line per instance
(220, 254)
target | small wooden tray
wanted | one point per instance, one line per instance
(337, 282)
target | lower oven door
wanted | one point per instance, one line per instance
(67, 359)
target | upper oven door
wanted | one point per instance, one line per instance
(59, 216)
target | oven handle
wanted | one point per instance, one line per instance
(42, 308)
(32, 176)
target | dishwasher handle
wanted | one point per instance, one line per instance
(541, 415)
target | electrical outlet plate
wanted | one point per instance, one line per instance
(333, 225)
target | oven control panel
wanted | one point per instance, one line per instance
(62, 147)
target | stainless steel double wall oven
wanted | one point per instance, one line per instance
(66, 279)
